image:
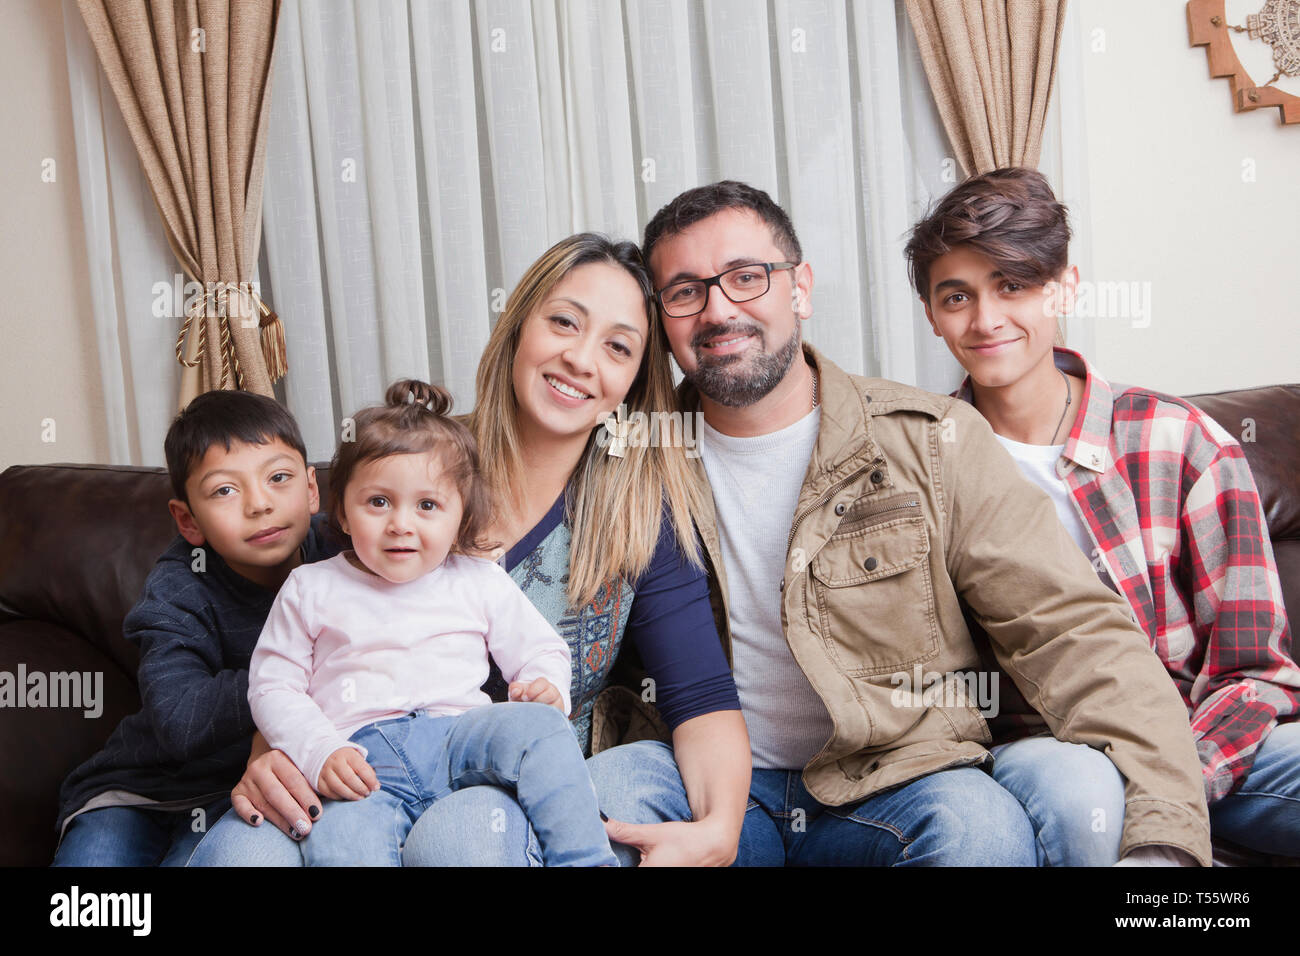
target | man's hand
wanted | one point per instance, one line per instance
(273, 788)
(675, 844)
(540, 690)
(347, 776)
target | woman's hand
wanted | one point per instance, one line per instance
(712, 754)
(676, 844)
(274, 789)
(713, 757)
(540, 690)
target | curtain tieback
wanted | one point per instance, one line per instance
(272, 333)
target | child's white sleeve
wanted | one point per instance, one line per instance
(278, 677)
(523, 643)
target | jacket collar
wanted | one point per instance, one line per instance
(1088, 444)
(844, 434)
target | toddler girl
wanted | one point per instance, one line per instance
(369, 669)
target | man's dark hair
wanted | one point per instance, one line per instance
(222, 418)
(1008, 215)
(702, 202)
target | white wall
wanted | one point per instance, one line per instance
(48, 366)
(1170, 207)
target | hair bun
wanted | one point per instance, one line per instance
(412, 391)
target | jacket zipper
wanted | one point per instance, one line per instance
(908, 505)
(822, 498)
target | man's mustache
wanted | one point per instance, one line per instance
(728, 331)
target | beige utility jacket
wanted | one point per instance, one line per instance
(910, 513)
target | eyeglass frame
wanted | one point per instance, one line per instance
(768, 268)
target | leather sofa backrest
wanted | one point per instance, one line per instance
(78, 541)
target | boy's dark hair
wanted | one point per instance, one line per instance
(223, 417)
(702, 202)
(413, 420)
(1008, 215)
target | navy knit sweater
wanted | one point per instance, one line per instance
(196, 631)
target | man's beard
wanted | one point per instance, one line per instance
(719, 379)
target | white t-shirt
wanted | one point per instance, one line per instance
(1038, 464)
(756, 483)
(343, 648)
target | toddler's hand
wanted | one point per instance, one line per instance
(347, 776)
(540, 690)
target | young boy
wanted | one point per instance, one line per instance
(1151, 488)
(244, 502)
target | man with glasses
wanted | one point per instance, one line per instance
(856, 522)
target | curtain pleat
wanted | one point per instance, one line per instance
(191, 81)
(991, 66)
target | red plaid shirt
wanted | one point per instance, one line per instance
(1170, 503)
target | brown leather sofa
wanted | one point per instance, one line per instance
(77, 541)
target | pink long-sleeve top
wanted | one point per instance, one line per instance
(343, 648)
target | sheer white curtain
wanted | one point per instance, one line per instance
(421, 154)
(128, 254)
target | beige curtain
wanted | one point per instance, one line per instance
(991, 66)
(192, 78)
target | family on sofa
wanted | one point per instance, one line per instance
(319, 689)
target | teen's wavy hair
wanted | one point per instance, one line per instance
(614, 506)
(1009, 215)
(414, 420)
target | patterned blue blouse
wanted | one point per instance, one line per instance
(665, 613)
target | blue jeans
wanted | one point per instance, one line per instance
(422, 760)
(953, 817)
(1073, 795)
(136, 836)
(1263, 814)
(456, 832)
(1075, 799)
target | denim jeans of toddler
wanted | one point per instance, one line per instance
(526, 748)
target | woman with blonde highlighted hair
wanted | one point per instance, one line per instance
(595, 515)
(594, 519)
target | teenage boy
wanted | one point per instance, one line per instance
(857, 520)
(245, 497)
(1152, 489)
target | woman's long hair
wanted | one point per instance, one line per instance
(614, 505)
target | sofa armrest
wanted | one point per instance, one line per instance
(62, 699)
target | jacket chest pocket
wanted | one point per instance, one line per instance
(874, 592)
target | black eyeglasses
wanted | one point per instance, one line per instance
(741, 284)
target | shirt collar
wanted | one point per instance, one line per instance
(1088, 444)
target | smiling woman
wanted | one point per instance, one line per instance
(581, 347)
(578, 338)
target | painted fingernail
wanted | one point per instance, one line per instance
(302, 826)
(255, 820)
(602, 815)
(314, 811)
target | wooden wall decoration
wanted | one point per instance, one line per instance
(1208, 27)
